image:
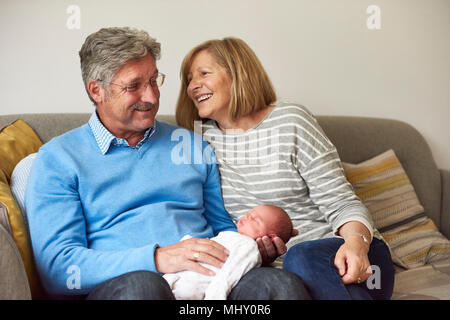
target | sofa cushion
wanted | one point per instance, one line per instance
(429, 282)
(17, 141)
(385, 189)
(19, 179)
(13, 221)
(19, 234)
(4, 219)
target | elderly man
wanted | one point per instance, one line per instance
(107, 206)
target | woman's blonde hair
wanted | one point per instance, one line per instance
(251, 88)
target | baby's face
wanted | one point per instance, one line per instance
(259, 221)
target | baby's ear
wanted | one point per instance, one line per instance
(294, 233)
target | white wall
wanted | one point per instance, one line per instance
(319, 53)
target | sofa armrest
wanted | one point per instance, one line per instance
(4, 219)
(445, 203)
(13, 278)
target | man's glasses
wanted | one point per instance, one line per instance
(134, 87)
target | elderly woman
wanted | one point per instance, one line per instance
(276, 153)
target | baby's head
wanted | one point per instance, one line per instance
(266, 220)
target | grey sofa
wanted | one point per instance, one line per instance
(357, 139)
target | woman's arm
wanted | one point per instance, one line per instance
(342, 209)
(355, 229)
(351, 259)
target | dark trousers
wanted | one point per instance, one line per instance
(257, 284)
(313, 261)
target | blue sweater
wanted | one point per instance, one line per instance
(94, 216)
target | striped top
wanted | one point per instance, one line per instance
(287, 161)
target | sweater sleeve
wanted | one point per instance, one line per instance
(333, 194)
(59, 235)
(321, 169)
(215, 211)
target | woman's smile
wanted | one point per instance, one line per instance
(209, 86)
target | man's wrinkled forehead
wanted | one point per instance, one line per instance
(136, 70)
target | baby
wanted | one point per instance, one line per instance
(266, 220)
(244, 255)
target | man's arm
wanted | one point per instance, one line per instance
(186, 254)
(58, 230)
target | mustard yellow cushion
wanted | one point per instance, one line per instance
(383, 186)
(17, 141)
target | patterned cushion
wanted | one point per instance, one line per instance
(385, 189)
(17, 140)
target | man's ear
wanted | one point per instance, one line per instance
(96, 92)
(294, 232)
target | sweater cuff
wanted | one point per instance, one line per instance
(357, 218)
(145, 258)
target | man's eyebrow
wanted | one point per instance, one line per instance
(137, 79)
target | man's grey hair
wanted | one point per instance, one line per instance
(105, 51)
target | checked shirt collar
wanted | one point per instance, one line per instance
(104, 138)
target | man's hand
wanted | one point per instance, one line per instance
(186, 255)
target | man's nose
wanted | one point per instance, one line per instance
(150, 94)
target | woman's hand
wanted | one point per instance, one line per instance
(352, 261)
(271, 247)
(187, 254)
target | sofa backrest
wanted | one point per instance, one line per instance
(356, 139)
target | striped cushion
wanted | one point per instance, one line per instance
(383, 186)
